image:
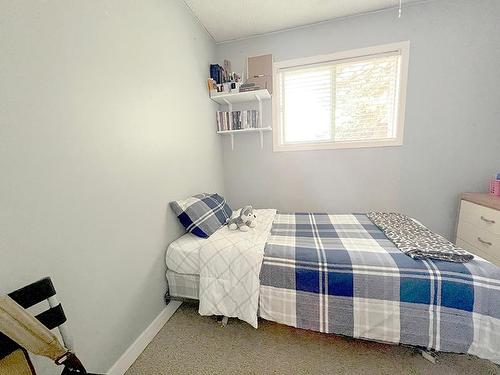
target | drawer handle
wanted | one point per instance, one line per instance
(487, 220)
(484, 242)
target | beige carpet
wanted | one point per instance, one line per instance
(192, 344)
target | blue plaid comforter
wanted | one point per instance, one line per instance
(340, 274)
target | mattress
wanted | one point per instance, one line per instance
(183, 254)
(183, 265)
(183, 257)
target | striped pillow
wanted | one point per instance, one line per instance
(202, 214)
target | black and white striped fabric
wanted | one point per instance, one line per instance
(415, 240)
(202, 214)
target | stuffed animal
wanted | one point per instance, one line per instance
(245, 221)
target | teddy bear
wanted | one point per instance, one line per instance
(244, 221)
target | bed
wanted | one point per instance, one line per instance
(339, 274)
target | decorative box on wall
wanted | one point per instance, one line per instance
(228, 99)
(260, 71)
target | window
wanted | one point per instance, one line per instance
(346, 100)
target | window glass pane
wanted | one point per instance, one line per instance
(365, 99)
(306, 105)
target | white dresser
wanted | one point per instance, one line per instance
(479, 225)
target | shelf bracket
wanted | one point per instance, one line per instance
(260, 110)
(230, 105)
(261, 139)
(232, 142)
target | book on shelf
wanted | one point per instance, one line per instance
(245, 87)
(237, 120)
(217, 73)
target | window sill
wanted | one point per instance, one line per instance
(336, 145)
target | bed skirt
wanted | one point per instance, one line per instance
(182, 285)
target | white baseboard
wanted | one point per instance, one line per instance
(132, 353)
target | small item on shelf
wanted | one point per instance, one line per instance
(212, 86)
(227, 69)
(219, 90)
(225, 80)
(233, 78)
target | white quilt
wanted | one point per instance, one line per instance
(229, 270)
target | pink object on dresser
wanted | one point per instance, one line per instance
(495, 187)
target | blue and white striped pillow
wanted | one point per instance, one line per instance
(202, 214)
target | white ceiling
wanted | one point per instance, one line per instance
(234, 19)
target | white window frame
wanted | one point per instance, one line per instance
(403, 48)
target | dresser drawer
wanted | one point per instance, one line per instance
(486, 241)
(467, 246)
(480, 216)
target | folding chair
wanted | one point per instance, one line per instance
(52, 318)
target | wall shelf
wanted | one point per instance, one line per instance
(244, 97)
(251, 130)
(241, 97)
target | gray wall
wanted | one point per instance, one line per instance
(103, 121)
(452, 128)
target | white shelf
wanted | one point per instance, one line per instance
(241, 97)
(244, 97)
(250, 130)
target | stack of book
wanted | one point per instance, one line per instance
(249, 87)
(237, 120)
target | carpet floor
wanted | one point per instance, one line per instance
(193, 344)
